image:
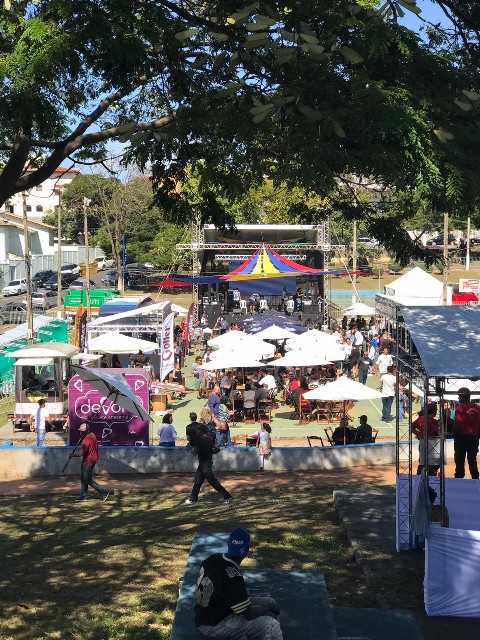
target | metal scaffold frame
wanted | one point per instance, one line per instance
(411, 369)
(227, 250)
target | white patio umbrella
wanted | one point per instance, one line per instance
(274, 332)
(113, 342)
(359, 309)
(114, 387)
(302, 358)
(178, 308)
(252, 345)
(227, 339)
(312, 339)
(231, 361)
(343, 389)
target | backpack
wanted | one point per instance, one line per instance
(211, 431)
(223, 413)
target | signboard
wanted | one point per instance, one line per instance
(113, 425)
(469, 285)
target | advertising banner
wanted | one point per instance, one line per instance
(113, 425)
(188, 329)
(166, 347)
(469, 285)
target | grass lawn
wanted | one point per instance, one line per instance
(110, 570)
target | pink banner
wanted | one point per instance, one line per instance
(188, 329)
(113, 425)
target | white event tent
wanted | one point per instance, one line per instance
(416, 288)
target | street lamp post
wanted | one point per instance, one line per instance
(28, 280)
(59, 257)
(86, 203)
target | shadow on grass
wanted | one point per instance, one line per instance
(110, 570)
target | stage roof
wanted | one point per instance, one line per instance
(447, 339)
(267, 233)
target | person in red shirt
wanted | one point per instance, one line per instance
(89, 453)
(432, 426)
(466, 430)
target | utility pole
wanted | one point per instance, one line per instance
(86, 203)
(467, 255)
(59, 259)
(26, 244)
(354, 262)
(445, 256)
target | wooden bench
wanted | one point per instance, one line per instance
(301, 595)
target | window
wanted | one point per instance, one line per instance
(10, 208)
(39, 187)
(39, 208)
(29, 208)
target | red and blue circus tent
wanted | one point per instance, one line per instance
(264, 265)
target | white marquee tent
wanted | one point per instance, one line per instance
(416, 288)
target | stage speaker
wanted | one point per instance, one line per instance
(230, 301)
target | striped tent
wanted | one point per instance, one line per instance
(267, 263)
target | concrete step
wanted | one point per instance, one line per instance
(375, 624)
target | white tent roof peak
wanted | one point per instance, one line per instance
(416, 288)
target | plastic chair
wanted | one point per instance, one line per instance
(263, 305)
(309, 438)
(329, 434)
(243, 306)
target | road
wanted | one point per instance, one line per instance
(97, 278)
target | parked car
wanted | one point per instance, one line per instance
(43, 299)
(474, 241)
(81, 283)
(104, 263)
(67, 279)
(438, 240)
(42, 276)
(71, 269)
(367, 241)
(463, 297)
(111, 278)
(14, 287)
(13, 313)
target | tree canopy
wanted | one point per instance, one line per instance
(308, 93)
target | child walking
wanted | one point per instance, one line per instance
(264, 444)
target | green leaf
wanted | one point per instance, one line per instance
(7, 4)
(160, 135)
(443, 135)
(339, 130)
(471, 95)
(231, 20)
(188, 33)
(283, 101)
(309, 39)
(139, 137)
(354, 9)
(257, 44)
(463, 104)
(312, 114)
(265, 20)
(200, 61)
(254, 26)
(305, 28)
(410, 6)
(312, 48)
(351, 55)
(260, 117)
(261, 108)
(288, 35)
(128, 127)
(218, 36)
(256, 36)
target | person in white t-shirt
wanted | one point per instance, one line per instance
(269, 380)
(384, 361)
(388, 384)
(41, 420)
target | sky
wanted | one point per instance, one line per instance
(430, 11)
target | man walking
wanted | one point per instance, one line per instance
(384, 361)
(198, 377)
(41, 420)
(89, 453)
(223, 607)
(388, 383)
(205, 449)
(465, 434)
(192, 429)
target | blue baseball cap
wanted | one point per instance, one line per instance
(238, 543)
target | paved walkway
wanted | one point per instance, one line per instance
(183, 481)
